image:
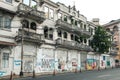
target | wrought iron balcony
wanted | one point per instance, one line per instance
(72, 45)
(71, 28)
(32, 13)
(30, 37)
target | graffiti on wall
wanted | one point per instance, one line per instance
(45, 64)
(17, 62)
(2, 73)
(28, 66)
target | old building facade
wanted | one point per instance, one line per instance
(113, 27)
(42, 36)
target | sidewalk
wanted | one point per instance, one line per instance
(30, 75)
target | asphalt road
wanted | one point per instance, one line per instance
(108, 74)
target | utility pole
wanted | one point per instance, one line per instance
(21, 71)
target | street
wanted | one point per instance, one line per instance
(108, 74)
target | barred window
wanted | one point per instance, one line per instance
(5, 60)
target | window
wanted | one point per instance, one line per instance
(59, 16)
(51, 14)
(65, 34)
(26, 2)
(65, 18)
(5, 22)
(72, 37)
(81, 25)
(5, 60)
(10, 1)
(72, 21)
(48, 33)
(59, 33)
(81, 39)
(33, 4)
(1, 21)
(85, 27)
(33, 26)
(46, 12)
(85, 40)
(76, 23)
(25, 23)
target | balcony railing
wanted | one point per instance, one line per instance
(29, 36)
(72, 45)
(80, 30)
(32, 13)
(70, 27)
(63, 24)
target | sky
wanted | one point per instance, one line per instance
(105, 10)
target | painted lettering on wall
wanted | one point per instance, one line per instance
(2, 73)
(17, 62)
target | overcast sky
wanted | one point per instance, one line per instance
(105, 10)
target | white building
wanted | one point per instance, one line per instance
(43, 35)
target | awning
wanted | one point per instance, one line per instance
(7, 43)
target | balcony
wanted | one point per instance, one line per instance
(30, 37)
(113, 53)
(72, 45)
(80, 31)
(71, 28)
(115, 43)
(63, 25)
(32, 13)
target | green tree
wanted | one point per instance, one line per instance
(101, 42)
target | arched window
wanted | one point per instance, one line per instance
(25, 24)
(72, 37)
(50, 33)
(46, 31)
(33, 26)
(59, 33)
(115, 28)
(65, 34)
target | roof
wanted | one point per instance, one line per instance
(112, 22)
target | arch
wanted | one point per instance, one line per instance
(115, 28)
(65, 34)
(33, 26)
(25, 23)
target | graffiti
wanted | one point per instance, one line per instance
(2, 73)
(17, 62)
(47, 63)
(28, 66)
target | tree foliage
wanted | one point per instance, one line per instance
(101, 41)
